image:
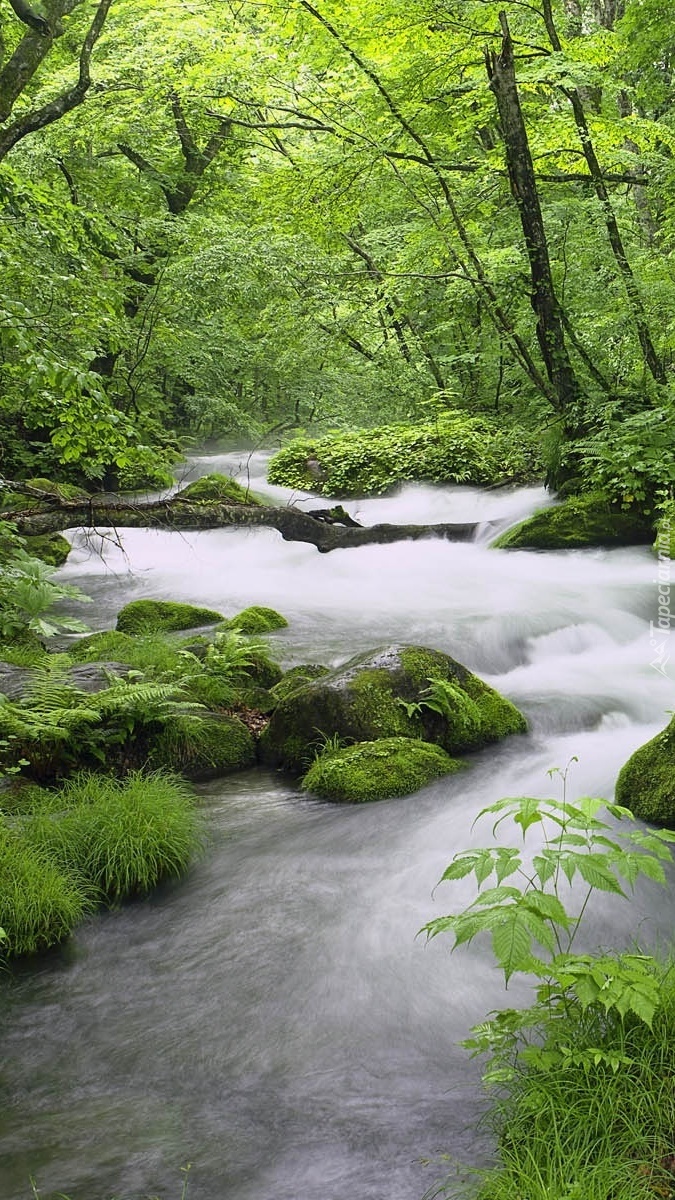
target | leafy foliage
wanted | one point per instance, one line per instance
(599, 1026)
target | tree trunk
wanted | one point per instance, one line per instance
(550, 332)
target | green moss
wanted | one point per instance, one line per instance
(61, 491)
(295, 678)
(200, 747)
(646, 784)
(156, 616)
(220, 488)
(499, 718)
(51, 548)
(393, 766)
(579, 522)
(376, 709)
(454, 448)
(257, 619)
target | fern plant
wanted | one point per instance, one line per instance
(56, 726)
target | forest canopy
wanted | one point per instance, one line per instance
(235, 220)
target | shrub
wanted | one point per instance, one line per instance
(454, 448)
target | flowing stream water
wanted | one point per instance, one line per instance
(273, 1018)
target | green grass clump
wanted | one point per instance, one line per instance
(257, 619)
(121, 836)
(587, 1131)
(394, 766)
(40, 902)
(163, 616)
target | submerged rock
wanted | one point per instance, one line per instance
(395, 691)
(579, 522)
(158, 616)
(646, 784)
(395, 766)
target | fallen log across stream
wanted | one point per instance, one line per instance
(49, 514)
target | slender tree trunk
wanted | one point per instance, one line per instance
(609, 9)
(550, 331)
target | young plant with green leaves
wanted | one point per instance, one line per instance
(599, 1032)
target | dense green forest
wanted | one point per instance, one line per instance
(233, 220)
(428, 241)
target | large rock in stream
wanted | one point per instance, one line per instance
(646, 783)
(577, 523)
(393, 691)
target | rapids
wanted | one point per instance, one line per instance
(273, 1018)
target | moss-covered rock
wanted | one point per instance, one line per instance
(217, 487)
(297, 677)
(454, 448)
(367, 771)
(646, 783)
(203, 746)
(577, 523)
(107, 644)
(157, 616)
(257, 619)
(59, 491)
(262, 671)
(51, 548)
(396, 691)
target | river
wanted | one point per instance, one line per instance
(273, 1019)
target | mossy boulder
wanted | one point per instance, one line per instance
(261, 671)
(577, 523)
(297, 677)
(220, 488)
(58, 491)
(257, 619)
(395, 766)
(202, 746)
(646, 783)
(107, 644)
(157, 616)
(51, 548)
(388, 693)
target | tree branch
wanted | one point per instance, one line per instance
(48, 113)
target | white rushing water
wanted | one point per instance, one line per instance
(273, 1019)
